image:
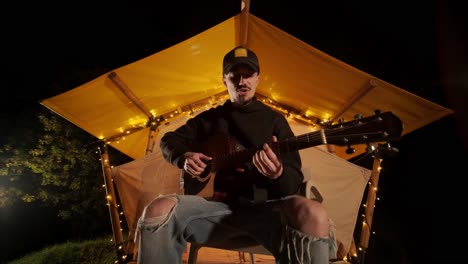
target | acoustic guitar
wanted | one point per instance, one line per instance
(381, 127)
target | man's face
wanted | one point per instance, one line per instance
(241, 83)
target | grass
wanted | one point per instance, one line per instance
(99, 251)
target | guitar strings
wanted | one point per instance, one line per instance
(308, 138)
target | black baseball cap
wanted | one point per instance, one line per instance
(240, 55)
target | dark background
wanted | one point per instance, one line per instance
(419, 46)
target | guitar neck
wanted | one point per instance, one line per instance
(380, 127)
(283, 146)
(300, 142)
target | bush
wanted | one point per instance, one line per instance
(99, 251)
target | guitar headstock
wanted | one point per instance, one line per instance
(380, 127)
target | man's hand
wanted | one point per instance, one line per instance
(195, 163)
(267, 162)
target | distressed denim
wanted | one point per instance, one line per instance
(197, 220)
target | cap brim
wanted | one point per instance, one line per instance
(252, 65)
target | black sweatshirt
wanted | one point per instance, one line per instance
(228, 128)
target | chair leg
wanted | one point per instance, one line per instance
(241, 256)
(252, 257)
(193, 254)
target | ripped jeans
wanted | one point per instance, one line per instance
(195, 219)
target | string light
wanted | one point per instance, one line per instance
(212, 101)
(113, 205)
(371, 199)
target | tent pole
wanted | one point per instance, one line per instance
(130, 95)
(153, 125)
(244, 22)
(363, 91)
(151, 141)
(369, 208)
(352, 251)
(112, 203)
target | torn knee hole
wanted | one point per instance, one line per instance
(160, 207)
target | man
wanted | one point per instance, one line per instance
(254, 196)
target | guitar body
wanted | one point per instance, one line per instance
(193, 185)
(227, 153)
(213, 147)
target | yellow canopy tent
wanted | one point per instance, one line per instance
(306, 84)
(188, 74)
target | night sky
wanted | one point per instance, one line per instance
(52, 48)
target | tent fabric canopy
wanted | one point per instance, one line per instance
(294, 75)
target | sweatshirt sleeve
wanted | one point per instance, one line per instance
(175, 143)
(292, 177)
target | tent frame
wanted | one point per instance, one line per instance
(128, 253)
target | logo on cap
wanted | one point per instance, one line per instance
(240, 52)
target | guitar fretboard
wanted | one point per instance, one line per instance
(381, 127)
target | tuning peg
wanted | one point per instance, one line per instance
(386, 149)
(391, 149)
(357, 116)
(370, 148)
(350, 150)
